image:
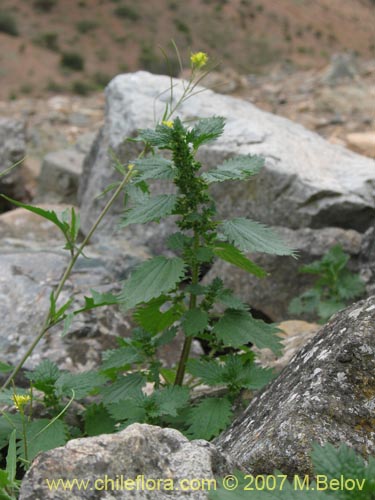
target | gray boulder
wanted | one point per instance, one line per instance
(59, 176)
(272, 295)
(134, 459)
(306, 182)
(32, 261)
(12, 150)
(325, 394)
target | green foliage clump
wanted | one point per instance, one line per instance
(72, 60)
(335, 287)
(45, 5)
(8, 23)
(86, 25)
(127, 12)
(48, 41)
(330, 464)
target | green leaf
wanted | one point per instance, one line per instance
(44, 376)
(238, 168)
(327, 308)
(129, 410)
(210, 372)
(161, 137)
(5, 368)
(97, 300)
(43, 436)
(236, 328)
(206, 130)
(227, 298)
(46, 214)
(178, 241)
(349, 285)
(98, 420)
(169, 400)
(251, 236)
(81, 383)
(154, 167)
(11, 459)
(153, 209)
(209, 418)
(124, 388)
(195, 321)
(334, 462)
(121, 358)
(152, 279)
(254, 377)
(152, 319)
(231, 254)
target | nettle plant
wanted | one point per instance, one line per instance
(166, 299)
(334, 288)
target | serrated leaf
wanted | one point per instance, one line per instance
(231, 254)
(236, 328)
(153, 209)
(129, 410)
(239, 168)
(46, 214)
(195, 321)
(333, 462)
(210, 372)
(161, 137)
(248, 235)
(227, 298)
(44, 376)
(81, 383)
(137, 193)
(124, 388)
(152, 279)
(152, 319)
(154, 167)
(255, 377)
(178, 241)
(209, 418)
(206, 130)
(327, 308)
(120, 358)
(350, 285)
(169, 400)
(98, 420)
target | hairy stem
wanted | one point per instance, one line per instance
(49, 321)
(192, 304)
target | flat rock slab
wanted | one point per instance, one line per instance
(138, 453)
(306, 182)
(325, 394)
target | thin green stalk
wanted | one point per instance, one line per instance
(192, 304)
(47, 324)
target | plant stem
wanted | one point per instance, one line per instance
(48, 324)
(192, 304)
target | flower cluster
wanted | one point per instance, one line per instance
(198, 60)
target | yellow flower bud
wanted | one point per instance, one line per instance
(130, 167)
(167, 123)
(198, 60)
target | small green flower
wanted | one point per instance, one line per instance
(20, 401)
(167, 123)
(198, 60)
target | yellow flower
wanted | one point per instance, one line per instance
(130, 167)
(167, 123)
(198, 60)
(20, 400)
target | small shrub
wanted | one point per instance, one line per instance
(48, 41)
(55, 87)
(73, 61)
(127, 12)
(82, 87)
(26, 88)
(8, 23)
(86, 25)
(45, 5)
